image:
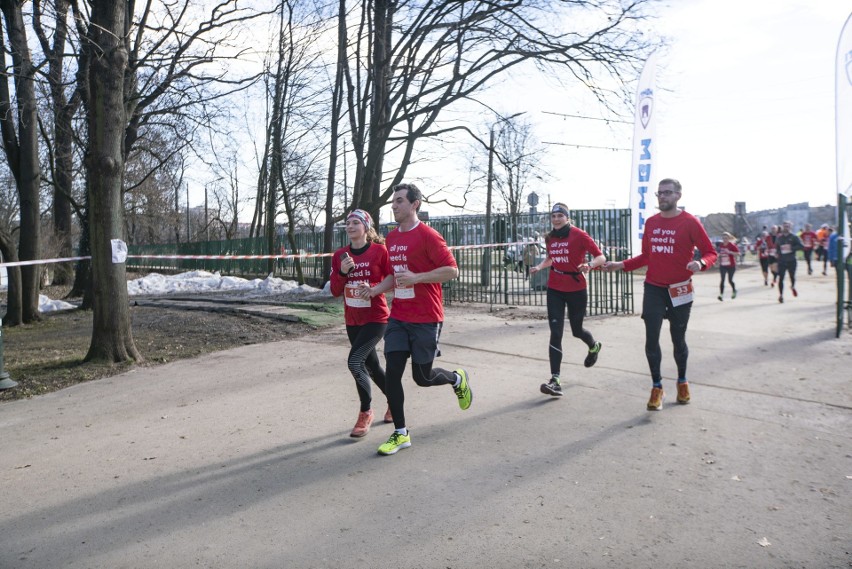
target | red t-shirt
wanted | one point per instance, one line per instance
(728, 255)
(765, 246)
(809, 239)
(418, 250)
(567, 254)
(371, 266)
(668, 244)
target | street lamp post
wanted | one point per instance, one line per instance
(486, 251)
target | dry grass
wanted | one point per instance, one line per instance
(48, 355)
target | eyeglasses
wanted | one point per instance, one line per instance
(664, 193)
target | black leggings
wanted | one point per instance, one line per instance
(808, 254)
(557, 301)
(785, 267)
(730, 272)
(363, 361)
(424, 376)
(656, 307)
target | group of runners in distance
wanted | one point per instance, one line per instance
(776, 249)
(414, 260)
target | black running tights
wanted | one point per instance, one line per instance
(424, 376)
(730, 272)
(557, 302)
(363, 361)
(786, 267)
(656, 307)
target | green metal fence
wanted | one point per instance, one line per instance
(499, 275)
(495, 275)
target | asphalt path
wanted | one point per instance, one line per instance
(242, 458)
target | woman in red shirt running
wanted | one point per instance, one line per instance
(364, 260)
(567, 247)
(728, 252)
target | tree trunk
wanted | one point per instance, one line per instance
(64, 148)
(112, 339)
(63, 134)
(23, 155)
(381, 107)
(13, 290)
(336, 105)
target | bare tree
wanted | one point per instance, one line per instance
(64, 101)
(19, 126)
(409, 61)
(293, 148)
(519, 155)
(107, 54)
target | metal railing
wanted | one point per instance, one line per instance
(494, 275)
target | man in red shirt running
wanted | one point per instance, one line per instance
(668, 243)
(420, 261)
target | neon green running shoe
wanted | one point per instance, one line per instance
(395, 442)
(463, 391)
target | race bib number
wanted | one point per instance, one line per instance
(772, 252)
(681, 293)
(401, 291)
(786, 249)
(725, 260)
(352, 297)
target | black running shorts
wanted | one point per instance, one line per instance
(418, 339)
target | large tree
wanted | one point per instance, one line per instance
(112, 338)
(51, 29)
(19, 126)
(411, 60)
(294, 144)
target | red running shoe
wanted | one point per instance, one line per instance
(362, 425)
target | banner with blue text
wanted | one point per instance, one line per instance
(644, 138)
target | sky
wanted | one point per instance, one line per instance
(745, 103)
(155, 284)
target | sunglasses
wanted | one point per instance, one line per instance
(664, 193)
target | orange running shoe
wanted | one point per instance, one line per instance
(362, 425)
(655, 403)
(388, 416)
(683, 392)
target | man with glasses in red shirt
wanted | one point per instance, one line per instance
(668, 243)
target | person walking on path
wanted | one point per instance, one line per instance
(566, 248)
(668, 241)
(728, 252)
(786, 245)
(762, 244)
(531, 253)
(364, 260)
(809, 240)
(420, 261)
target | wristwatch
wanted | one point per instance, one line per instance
(702, 263)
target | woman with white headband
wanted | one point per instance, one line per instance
(567, 247)
(364, 260)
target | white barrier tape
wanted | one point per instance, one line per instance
(41, 262)
(242, 257)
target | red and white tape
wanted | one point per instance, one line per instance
(227, 257)
(240, 257)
